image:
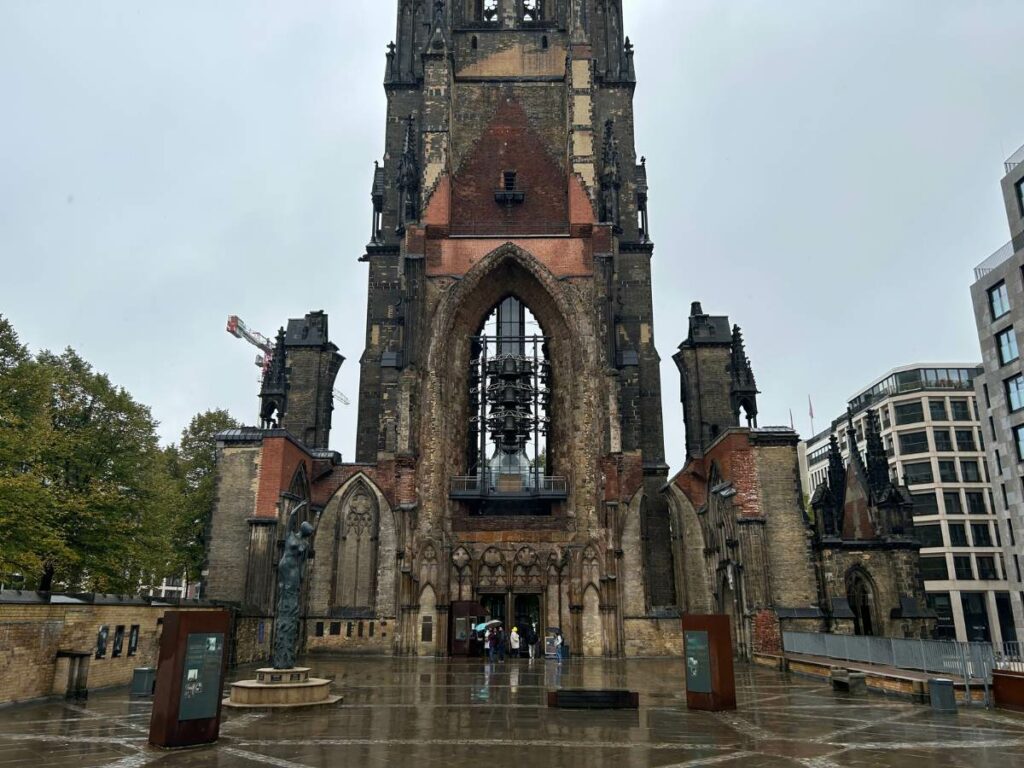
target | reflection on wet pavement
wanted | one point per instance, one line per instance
(468, 713)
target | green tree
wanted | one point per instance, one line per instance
(26, 533)
(111, 508)
(88, 499)
(194, 463)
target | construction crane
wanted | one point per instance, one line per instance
(238, 329)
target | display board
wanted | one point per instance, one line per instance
(190, 679)
(698, 662)
(201, 676)
(707, 653)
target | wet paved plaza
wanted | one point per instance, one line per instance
(465, 713)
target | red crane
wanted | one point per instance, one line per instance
(238, 329)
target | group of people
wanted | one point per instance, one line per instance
(516, 644)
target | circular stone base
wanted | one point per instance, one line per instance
(281, 688)
(332, 699)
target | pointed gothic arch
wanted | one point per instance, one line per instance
(354, 571)
(297, 500)
(566, 317)
(359, 522)
(492, 573)
(527, 570)
(861, 594)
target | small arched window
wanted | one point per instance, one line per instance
(474, 43)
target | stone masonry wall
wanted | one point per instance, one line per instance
(31, 635)
(237, 479)
(792, 574)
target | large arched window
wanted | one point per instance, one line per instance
(509, 424)
(355, 587)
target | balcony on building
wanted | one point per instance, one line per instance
(994, 261)
(509, 487)
(917, 379)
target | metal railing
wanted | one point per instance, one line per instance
(493, 484)
(1009, 658)
(1014, 160)
(968, 661)
(934, 656)
(993, 261)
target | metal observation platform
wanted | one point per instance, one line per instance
(510, 487)
(509, 382)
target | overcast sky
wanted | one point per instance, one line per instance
(826, 173)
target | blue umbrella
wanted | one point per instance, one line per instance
(485, 625)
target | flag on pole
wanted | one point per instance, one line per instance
(810, 407)
(791, 425)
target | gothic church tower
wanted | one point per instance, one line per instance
(510, 451)
(510, 187)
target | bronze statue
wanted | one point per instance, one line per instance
(289, 588)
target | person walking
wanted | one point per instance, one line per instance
(514, 642)
(531, 641)
(489, 644)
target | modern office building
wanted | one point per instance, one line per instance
(931, 432)
(998, 297)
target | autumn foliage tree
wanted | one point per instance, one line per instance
(88, 498)
(193, 464)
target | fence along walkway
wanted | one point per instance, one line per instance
(968, 661)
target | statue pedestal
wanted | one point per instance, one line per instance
(281, 688)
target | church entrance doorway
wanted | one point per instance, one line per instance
(527, 613)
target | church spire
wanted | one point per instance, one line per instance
(877, 463)
(743, 391)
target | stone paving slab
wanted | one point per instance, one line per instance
(428, 713)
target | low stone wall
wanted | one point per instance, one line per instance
(38, 638)
(909, 687)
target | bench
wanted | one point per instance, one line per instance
(595, 699)
(848, 680)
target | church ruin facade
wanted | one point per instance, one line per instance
(509, 457)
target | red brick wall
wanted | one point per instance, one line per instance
(767, 634)
(281, 457)
(510, 143)
(384, 475)
(736, 462)
(623, 476)
(565, 257)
